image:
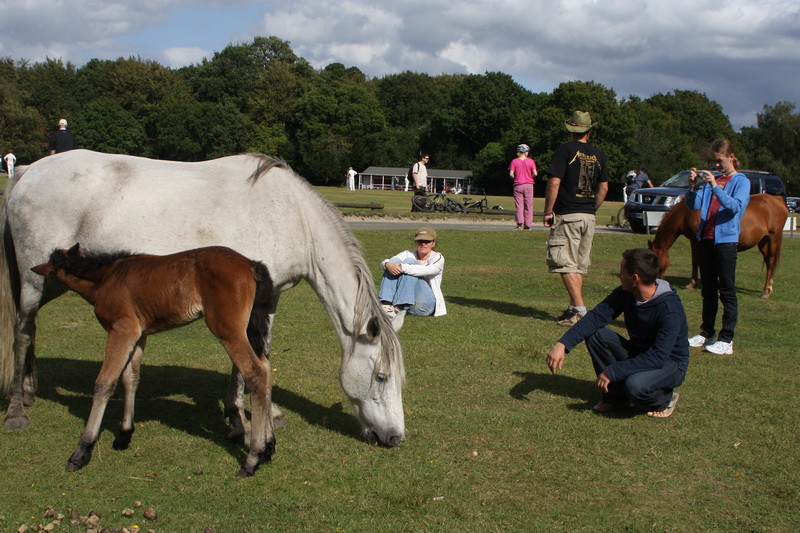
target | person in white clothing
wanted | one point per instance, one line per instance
(351, 179)
(412, 281)
(10, 160)
(420, 172)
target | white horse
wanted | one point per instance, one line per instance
(251, 203)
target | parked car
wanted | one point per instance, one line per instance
(793, 203)
(672, 191)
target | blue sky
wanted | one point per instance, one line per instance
(741, 53)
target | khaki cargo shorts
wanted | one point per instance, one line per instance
(569, 247)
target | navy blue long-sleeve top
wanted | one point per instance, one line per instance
(657, 329)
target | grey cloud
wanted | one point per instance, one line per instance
(742, 53)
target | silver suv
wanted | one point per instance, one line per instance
(658, 200)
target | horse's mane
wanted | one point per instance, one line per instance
(84, 264)
(367, 305)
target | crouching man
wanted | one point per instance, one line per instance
(646, 368)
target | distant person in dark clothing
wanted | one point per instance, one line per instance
(62, 140)
(641, 181)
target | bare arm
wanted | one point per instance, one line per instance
(602, 190)
(550, 199)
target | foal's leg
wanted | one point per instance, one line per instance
(130, 382)
(234, 401)
(121, 340)
(234, 408)
(257, 377)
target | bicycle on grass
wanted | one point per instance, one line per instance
(481, 204)
(437, 201)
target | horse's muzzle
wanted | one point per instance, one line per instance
(390, 440)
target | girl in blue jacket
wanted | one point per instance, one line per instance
(722, 201)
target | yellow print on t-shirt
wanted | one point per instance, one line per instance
(587, 175)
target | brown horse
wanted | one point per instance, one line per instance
(762, 225)
(136, 295)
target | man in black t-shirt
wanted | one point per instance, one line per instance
(576, 188)
(62, 140)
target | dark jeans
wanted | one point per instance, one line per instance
(651, 388)
(717, 264)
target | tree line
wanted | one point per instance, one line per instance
(262, 97)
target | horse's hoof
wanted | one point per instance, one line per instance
(27, 399)
(122, 440)
(72, 467)
(17, 422)
(243, 472)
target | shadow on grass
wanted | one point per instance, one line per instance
(679, 282)
(569, 387)
(506, 308)
(187, 399)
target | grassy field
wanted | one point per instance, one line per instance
(494, 442)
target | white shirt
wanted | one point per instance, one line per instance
(421, 174)
(10, 160)
(431, 271)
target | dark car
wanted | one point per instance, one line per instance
(657, 200)
(793, 203)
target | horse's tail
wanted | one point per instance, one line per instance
(258, 326)
(9, 289)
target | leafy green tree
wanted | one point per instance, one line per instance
(700, 119)
(188, 130)
(51, 87)
(105, 126)
(333, 127)
(22, 127)
(409, 98)
(340, 73)
(262, 80)
(480, 110)
(657, 142)
(490, 169)
(774, 143)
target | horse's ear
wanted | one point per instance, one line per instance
(373, 328)
(45, 269)
(649, 244)
(74, 251)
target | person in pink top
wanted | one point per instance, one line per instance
(522, 170)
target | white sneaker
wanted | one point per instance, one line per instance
(398, 318)
(720, 348)
(699, 340)
(389, 309)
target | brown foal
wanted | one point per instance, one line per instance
(137, 295)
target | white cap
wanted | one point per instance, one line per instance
(62, 122)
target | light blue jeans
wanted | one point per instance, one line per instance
(405, 290)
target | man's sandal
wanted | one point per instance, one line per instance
(669, 409)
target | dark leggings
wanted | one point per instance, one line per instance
(718, 275)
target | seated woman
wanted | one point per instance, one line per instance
(412, 282)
